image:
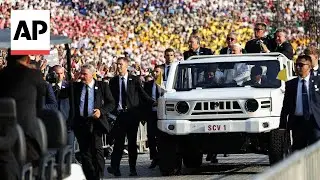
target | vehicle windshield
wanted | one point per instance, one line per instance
(259, 74)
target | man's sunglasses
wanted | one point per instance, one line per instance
(230, 39)
(258, 29)
(300, 64)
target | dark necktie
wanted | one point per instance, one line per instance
(123, 93)
(157, 92)
(167, 73)
(86, 101)
(305, 101)
(56, 90)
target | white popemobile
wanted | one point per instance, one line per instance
(223, 104)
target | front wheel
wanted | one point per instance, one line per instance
(169, 160)
(279, 145)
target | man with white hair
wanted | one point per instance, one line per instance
(240, 72)
(231, 40)
(283, 46)
(93, 101)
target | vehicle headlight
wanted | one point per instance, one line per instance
(182, 107)
(251, 105)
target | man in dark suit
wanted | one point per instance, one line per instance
(129, 97)
(153, 90)
(313, 52)
(169, 57)
(64, 103)
(300, 111)
(93, 101)
(25, 85)
(231, 40)
(283, 45)
(195, 49)
(256, 77)
(260, 44)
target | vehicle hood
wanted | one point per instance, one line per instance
(221, 93)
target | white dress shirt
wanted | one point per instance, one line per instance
(59, 84)
(154, 95)
(299, 104)
(315, 70)
(120, 89)
(90, 100)
(228, 51)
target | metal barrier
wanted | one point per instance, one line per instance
(301, 165)
(141, 140)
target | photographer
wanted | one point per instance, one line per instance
(261, 43)
(57, 78)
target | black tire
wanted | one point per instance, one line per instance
(192, 159)
(167, 152)
(279, 145)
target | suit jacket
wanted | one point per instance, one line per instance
(103, 101)
(50, 101)
(316, 72)
(253, 46)
(63, 102)
(252, 82)
(202, 51)
(148, 86)
(136, 96)
(225, 51)
(290, 97)
(164, 73)
(286, 49)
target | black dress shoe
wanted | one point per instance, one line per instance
(133, 172)
(153, 164)
(113, 171)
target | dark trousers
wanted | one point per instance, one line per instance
(70, 142)
(152, 134)
(126, 125)
(91, 152)
(304, 132)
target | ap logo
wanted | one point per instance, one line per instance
(30, 32)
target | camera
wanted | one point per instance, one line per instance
(260, 41)
(52, 77)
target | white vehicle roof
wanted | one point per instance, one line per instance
(5, 40)
(233, 58)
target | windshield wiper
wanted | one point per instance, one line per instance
(213, 86)
(184, 89)
(264, 86)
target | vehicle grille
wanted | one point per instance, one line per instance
(265, 104)
(217, 107)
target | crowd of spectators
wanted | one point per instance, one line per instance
(103, 30)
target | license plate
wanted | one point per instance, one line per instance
(216, 127)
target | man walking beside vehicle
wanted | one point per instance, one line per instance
(301, 105)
